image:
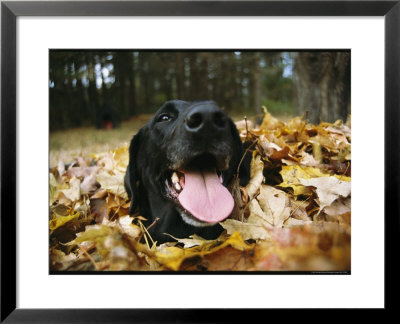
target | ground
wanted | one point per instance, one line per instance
(294, 215)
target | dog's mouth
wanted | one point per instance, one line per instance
(199, 192)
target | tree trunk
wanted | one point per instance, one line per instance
(180, 76)
(194, 92)
(257, 83)
(322, 85)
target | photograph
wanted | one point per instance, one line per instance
(199, 161)
(193, 161)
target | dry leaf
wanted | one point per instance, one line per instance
(328, 189)
(256, 176)
(275, 205)
(251, 229)
(113, 183)
(73, 193)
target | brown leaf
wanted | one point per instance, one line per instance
(98, 207)
(256, 176)
(275, 205)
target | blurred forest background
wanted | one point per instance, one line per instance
(92, 91)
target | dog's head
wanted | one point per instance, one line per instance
(188, 154)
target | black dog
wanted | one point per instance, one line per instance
(180, 165)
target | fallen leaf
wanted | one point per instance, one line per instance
(286, 214)
(73, 193)
(98, 207)
(92, 233)
(328, 189)
(53, 188)
(172, 257)
(275, 205)
(256, 176)
(60, 220)
(126, 226)
(308, 160)
(250, 229)
(339, 207)
(78, 172)
(270, 122)
(193, 240)
(89, 184)
(291, 175)
(113, 183)
(61, 261)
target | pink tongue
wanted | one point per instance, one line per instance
(205, 197)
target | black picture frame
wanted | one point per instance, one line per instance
(10, 10)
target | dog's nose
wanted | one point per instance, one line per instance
(205, 117)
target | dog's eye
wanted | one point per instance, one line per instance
(163, 117)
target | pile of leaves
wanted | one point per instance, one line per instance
(294, 215)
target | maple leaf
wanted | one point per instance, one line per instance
(73, 193)
(308, 162)
(113, 183)
(328, 189)
(252, 228)
(270, 122)
(291, 175)
(60, 220)
(121, 158)
(256, 176)
(193, 240)
(172, 257)
(124, 223)
(92, 233)
(272, 207)
(339, 207)
(275, 205)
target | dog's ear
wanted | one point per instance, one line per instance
(132, 175)
(238, 157)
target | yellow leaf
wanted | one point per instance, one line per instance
(124, 223)
(92, 233)
(270, 122)
(193, 240)
(296, 124)
(172, 257)
(121, 157)
(291, 175)
(317, 152)
(113, 183)
(251, 229)
(60, 220)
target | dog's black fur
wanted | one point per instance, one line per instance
(180, 133)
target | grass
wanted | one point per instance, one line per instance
(66, 145)
(279, 109)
